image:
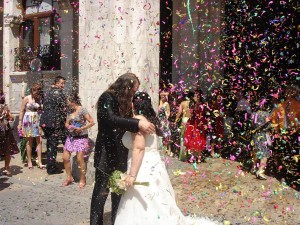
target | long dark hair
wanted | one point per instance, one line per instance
(122, 89)
(74, 98)
(143, 106)
(35, 91)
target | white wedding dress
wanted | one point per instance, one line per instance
(154, 204)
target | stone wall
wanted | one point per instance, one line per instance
(116, 37)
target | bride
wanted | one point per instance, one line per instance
(153, 204)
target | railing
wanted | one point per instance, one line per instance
(48, 54)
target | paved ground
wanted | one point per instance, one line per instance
(217, 189)
(33, 197)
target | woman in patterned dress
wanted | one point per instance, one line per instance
(78, 122)
(7, 142)
(163, 115)
(29, 120)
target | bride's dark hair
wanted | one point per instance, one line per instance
(143, 106)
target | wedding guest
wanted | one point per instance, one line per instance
(29, 119)
(286, 115)
(22, 145)
(184, 113)
(241, 126)
(174, 126)
(114, 116)
(195, 133)
(215, 121)
(163, 115)
(53, 121)
(78, 122)
(285, 119)
(261, 138)
(7, 141)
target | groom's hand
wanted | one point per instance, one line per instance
(146, 127)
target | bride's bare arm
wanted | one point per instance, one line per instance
(137, 157)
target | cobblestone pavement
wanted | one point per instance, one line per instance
(216, 189)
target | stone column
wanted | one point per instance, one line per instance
(116, 37)
(10, 41)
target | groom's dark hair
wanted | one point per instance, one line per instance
(122, 88)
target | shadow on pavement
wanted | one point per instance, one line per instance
(3, 183)
(14, 170)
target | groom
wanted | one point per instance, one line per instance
(114, 116)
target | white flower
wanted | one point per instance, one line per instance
(121, 182)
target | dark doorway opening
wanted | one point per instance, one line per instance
(165, 54)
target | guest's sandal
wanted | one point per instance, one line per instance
(7, 173)
(41, 166)
(260, 175)
(30, 166)
(67, 182)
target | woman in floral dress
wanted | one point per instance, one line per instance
(29, 120)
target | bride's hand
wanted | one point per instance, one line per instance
(129, 180)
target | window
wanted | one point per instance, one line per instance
(39, 36)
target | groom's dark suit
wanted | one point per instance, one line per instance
(110, 153)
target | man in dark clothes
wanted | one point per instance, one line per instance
(53, 121)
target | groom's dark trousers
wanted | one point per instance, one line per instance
(100, 194)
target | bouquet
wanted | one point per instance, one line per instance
(117, 182)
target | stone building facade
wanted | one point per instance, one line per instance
(89, 43)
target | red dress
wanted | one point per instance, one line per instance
(195, 135)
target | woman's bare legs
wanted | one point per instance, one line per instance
(212, 152)
(7, 162)
(82, 164)
(29, 152)
(262, 165)
(39, 151)
(67, 165)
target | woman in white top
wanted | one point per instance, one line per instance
(29, 120)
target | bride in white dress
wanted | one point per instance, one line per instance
(154, 204)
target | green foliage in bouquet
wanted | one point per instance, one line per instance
(117, 183)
